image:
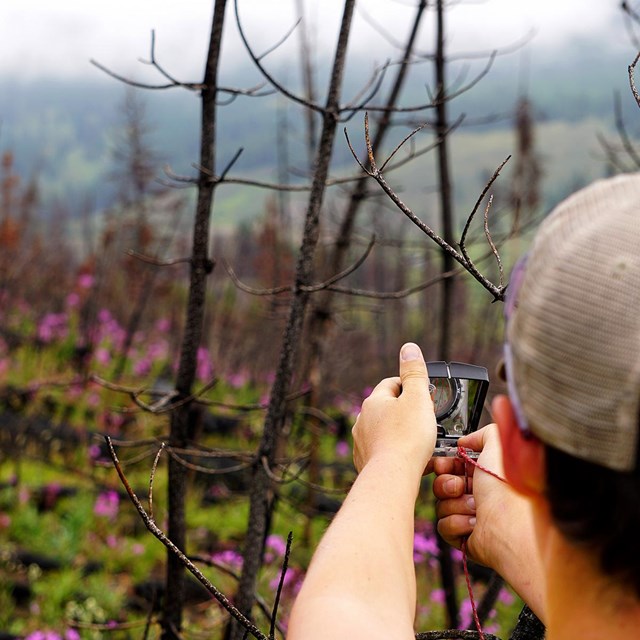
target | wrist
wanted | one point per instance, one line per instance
(398, 468)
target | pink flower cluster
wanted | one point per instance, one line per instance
(40, 634)
(106, 505)
(228, 557)
(53, 326)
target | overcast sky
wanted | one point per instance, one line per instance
(53, 38)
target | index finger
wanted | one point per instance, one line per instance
(477, 440)
(388, 387)
(447, 464)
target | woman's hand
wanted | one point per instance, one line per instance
(468, 507)
(494, 519)
(397, 419)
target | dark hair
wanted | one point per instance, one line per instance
(598, 508)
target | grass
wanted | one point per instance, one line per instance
(61, 502)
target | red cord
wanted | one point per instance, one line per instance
(474, 609)
(463, 454)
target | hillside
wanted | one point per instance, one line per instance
(63, 131)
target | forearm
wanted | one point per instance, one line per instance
(518, 560)
(363, 567)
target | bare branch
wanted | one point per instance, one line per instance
(206, 470)
(256, 60)
(192, 86)
(622, 132)
(474, 82)
(152, 476)
(631, 22)
(379, 28)
(396, 295)
(207, 452)
(632, 82)
(155, 261)
(154, 63)
(163, 404)
(374, 84)
(280, 480)
(461, 258)
(393, 153)
(613, 154)
(251, 407)
(628, 9)
(343, 274)
(233, 160)
(490, 242)
(161, 536)
(210, 562)
(301, 188)
(493, 178)
(282, 40)
(276, 604)
(173, 82)
(133, 459)
(254, 292)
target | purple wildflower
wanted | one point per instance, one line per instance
(85, 281)
(437, 595)
(53, 327)
(102, 356)
(142, 367)
(106, 505)
(465, 614)
(237, 380)
(229, 557)
(72, 300)
(163, 325)
(41, 634)
(506, 597)
(343, 450)
(204, 367)
(424, 545)
(112, 541)
(277, 544)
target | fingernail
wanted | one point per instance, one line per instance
(450, 486)
(410, 351)
(471, 502)
(472, 522)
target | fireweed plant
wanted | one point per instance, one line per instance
(76, 561)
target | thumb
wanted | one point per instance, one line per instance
(413, 370)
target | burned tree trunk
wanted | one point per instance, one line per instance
(201, 267)
(262, 493)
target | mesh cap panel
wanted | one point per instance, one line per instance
(575, 334)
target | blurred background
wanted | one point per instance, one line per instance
(161, 283)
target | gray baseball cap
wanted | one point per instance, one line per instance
(574, 332)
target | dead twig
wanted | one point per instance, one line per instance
(395, 295)
(268, 77)
(632, 82)
(314, 288)
(283, 572)
(152, 476)
(464, 260)
(343, 274)
(163, 404)
(155, 261)
(186, 562)
(210, 562)
(463, 237)
(490, 242)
